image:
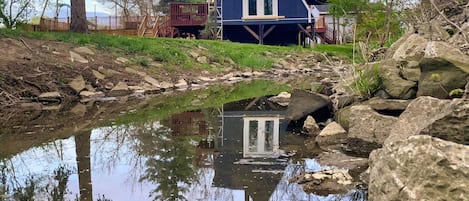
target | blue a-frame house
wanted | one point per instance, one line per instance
(276, 22)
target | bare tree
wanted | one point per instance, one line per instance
(13, 11)
(78, 23)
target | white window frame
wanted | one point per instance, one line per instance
(260, 151)
(260, 8)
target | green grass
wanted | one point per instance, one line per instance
(174, 53)
(367, 81)
(216, 96)
(342, 51)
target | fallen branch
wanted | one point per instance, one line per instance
(449, 21)
(26, 45)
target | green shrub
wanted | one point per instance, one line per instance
(366, 81)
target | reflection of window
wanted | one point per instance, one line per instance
(260, 136)
(252, 136)
(269, 136)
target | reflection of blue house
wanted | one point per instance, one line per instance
(256, 135)
(267, 21)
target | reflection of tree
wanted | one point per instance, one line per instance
(34, 187)
(83, 146)
(170, 162)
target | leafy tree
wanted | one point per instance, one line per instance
(13, 11)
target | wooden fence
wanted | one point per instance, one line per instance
(100, 24)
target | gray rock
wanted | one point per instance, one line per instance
(332, 134)
(282, 99)
(368, 129)
(98, 75)
(454, 125)
(393, 83)
(466, 92)
(420, 113)
(91, 95)
(342, 161)
(411, 74)
(342, 117)
(78, 58)
(108, 72)
(109, 85)
(79, 110)
(443, 68)
(311, 127)
(202, 59)
(121, 89)
(410, 48)
(324, 182)
(303, 103)
(166, 85)
(420, 168)
(83, 50)
(52, 97)
(152, 81)
(122, 60)
(194, 54)
(135, 72)
(387, 104)
(77, 84)
(54, 94)
(181, 84)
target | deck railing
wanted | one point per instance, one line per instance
(188, 14)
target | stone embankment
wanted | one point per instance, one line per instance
(414, 134)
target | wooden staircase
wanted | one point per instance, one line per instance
(159, 26)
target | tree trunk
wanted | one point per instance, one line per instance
(78, 16)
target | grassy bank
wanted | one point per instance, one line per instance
(173, 53)
(213, 97)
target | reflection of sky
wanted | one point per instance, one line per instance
(117, 167)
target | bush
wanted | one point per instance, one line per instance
(366, 81)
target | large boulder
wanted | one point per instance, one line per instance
(410, 47)
(342, 117)
(419, 168)
(454, 125)
(368, 129)
(380, 104)
(420, 113)
(443, 69)
(393, 83)
(303, 103)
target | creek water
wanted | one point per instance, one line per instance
(234, 151)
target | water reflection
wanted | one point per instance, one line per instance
(160, 160)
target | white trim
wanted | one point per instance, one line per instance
(260, 146)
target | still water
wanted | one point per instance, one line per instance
(231, 152)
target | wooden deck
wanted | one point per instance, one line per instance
(188, 14)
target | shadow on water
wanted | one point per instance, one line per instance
(233, 151)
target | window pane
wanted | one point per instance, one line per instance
(267, 7)
(269, 136)
(253, 126)
(252, 7)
